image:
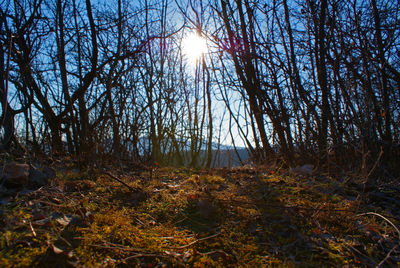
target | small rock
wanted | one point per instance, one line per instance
(206, 208)
(305, 170)
(15, 175)
(65, 220)
(39, 178)
(51, 173)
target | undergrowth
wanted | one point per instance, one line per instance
(247, 217)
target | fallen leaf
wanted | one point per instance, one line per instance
(42, 222)
(57, 250)
(65, 220)
(172, 253)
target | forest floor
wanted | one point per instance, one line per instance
(166, 217)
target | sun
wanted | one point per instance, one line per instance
(194, 46)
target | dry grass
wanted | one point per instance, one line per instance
(247, 217)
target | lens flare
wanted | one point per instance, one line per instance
(194, 46)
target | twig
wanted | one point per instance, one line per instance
(52, 204)
(387, 257)
(133, 189)
(376, 163)
(66, 241)
(213, 252)
(371, 262)
(140, 222)
(373, 169)
(196, 241)
(112, 246)
(290, 207)
(32, 230)
(175, 237)
(140, 255)
(386, 219)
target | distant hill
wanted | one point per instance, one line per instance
(222, 155)
(228, 157)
